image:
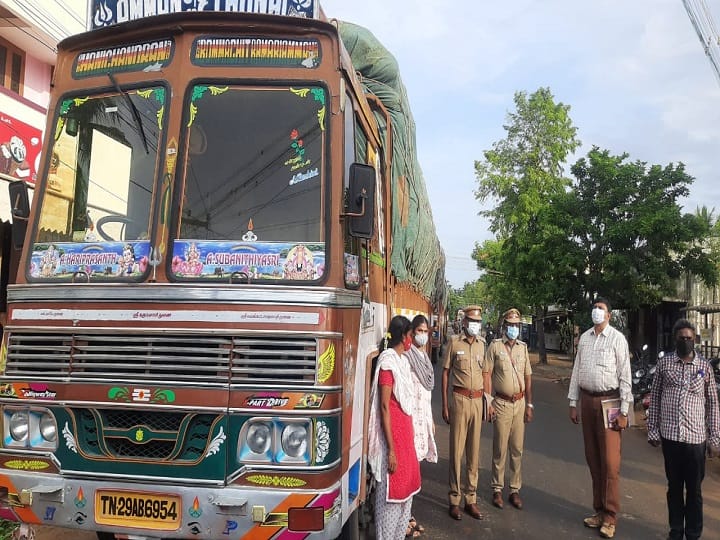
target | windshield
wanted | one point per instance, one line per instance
(94, 216)
(253, 184)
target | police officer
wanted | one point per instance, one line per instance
(462, 393)
(507, 371)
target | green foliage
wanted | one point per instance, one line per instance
(629, 226)
(7, 528)
(531, 263)
(617, 229)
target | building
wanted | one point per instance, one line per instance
(29, 33)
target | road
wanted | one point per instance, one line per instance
(556, 491)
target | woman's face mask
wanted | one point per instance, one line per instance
(512, 332)
(473, 328)
(421, 339)
(407, 342)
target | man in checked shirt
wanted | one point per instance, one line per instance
(684, 418)
(602, 371)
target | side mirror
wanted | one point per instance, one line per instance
(361, 201)
(20, 208)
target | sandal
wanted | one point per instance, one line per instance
(416, 526)
(411, 532)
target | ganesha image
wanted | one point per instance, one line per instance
(299, 264)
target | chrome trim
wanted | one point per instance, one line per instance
(153, 479)
(316, 413)
(174, 293)
(115, 405)
(198, 331)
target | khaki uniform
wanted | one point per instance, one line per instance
(464, 361)
(508, 369)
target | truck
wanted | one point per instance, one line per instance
(228, 211)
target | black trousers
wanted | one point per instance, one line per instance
(685, 470)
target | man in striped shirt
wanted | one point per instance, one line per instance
(602, 372)
(684, 418)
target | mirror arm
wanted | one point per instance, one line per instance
(361, 213)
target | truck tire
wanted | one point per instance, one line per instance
(351, 529)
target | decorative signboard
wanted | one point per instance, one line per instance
(108, 12)
(145, 56)
(255, 51)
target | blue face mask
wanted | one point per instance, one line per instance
(512, 332)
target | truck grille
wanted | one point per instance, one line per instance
(131, 435)
(186, 359)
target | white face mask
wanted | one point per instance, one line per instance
(598, 315)
(421, 340)
(512, 332)
(473, 328)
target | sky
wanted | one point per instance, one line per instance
(634, 74)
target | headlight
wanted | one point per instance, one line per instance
(48, 429)
(19, 425)
(294, 440)
(259, 437)
(32, 428)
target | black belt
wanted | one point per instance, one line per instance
(606, 393)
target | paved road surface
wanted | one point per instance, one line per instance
(556, 488)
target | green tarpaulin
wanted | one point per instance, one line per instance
(417, 257)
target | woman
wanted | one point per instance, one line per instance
(391, 451)
(423, 381)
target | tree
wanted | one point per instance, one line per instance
(635, 240)
(523, 173)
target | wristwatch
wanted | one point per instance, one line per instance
(530, 405)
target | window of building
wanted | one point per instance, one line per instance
(12, 62)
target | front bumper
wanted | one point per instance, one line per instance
(201, 512)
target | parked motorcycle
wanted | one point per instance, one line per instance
(715, 363)
(643, 371)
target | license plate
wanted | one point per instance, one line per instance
(133, 509)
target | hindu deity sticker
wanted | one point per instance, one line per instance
(352, 270)
(106, 260)
(254, 260)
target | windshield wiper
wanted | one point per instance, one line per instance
(133, 108)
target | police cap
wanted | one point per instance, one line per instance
(512, 315)
(473, 313)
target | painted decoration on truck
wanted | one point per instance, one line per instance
(210, 51)
(98, 260)
(110, 12)
(27, 390)
(243, 262)
(146, 395)
(144, 56)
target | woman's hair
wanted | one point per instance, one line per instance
(399, 326)
(418, 321)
